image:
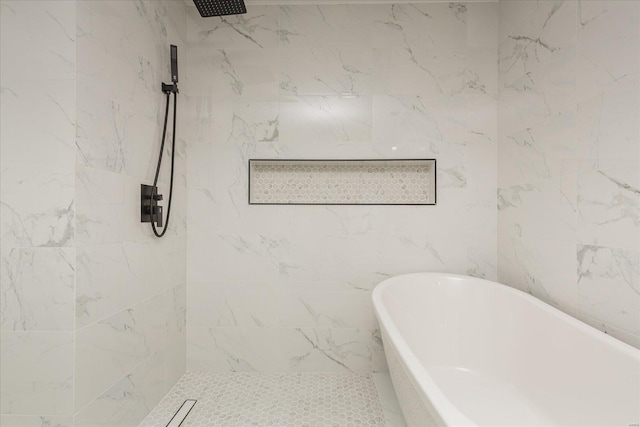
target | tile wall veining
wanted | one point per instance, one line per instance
(93, 307)
(569, 158)
(130, 286)
(37, 270)
(288, 288)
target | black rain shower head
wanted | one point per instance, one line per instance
(209, 8)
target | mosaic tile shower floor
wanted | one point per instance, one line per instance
(273, 399)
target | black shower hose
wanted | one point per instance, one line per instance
(173, 156)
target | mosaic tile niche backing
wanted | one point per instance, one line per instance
(343, 182)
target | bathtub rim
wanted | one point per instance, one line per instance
(446, 410)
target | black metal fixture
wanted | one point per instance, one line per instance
(150, 210)
(208, 8)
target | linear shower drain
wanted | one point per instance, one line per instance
(181, 413)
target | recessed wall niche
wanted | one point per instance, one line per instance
(342, 182)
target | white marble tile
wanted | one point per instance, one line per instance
(437, 250)
(543, 209)
(545, 269)
(431, 25)
(38, 121)
(117, 344)
(602, 24)
(331, 257)
(537, 61)
(37, 373)
(379, 359)
(45, 220)
(234, 349)
(112, 223)
(607, 127)
(328, 350)
(280, 349)
(241, 257)
(177, 311)
(434, 72)
(112, 134)
(35, 421)
(37, 289)
(481, 74)
(118, 104)
(177, 30)
(97, 187)
(112, 277)
(108, 208)
(568, 156)
(539, 151)
(320, 263)
(130, 399)
(228, 304)
(315, 119)
(327, 25)
(389, 401)
(252, 124)
(46, 31)
(233, 73)
(307, 308)
(482, 24)
(325, 71)
(258, 28)
(421, 70)
(609, 203)
(511, 15)
(175, 358)
(609, 286)
(540, 81)
(544, 23)
(399, 120)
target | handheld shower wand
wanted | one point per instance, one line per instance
(150, 210)
(174, 63)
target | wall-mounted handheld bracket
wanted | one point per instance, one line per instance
(150, 210)
(170, 88)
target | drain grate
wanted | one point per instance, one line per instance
(180, 415)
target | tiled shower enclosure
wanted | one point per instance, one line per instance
(529, 107)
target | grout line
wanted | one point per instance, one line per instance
(129, 307)
(146, 359)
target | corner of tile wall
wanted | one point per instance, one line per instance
(569, 158)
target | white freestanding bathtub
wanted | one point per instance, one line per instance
(467, 351)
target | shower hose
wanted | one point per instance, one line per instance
(173, 155)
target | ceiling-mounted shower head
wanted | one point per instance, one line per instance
(209, 8)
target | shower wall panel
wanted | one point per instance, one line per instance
(569, 158)
(130, 286)
(92, 307)
(37, 267)
(288, 288)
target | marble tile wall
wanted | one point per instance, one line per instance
(130, 286)
(37, 210)
(93, 307)
(569, 158)
(288, 288)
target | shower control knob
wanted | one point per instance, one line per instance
(157, 197)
